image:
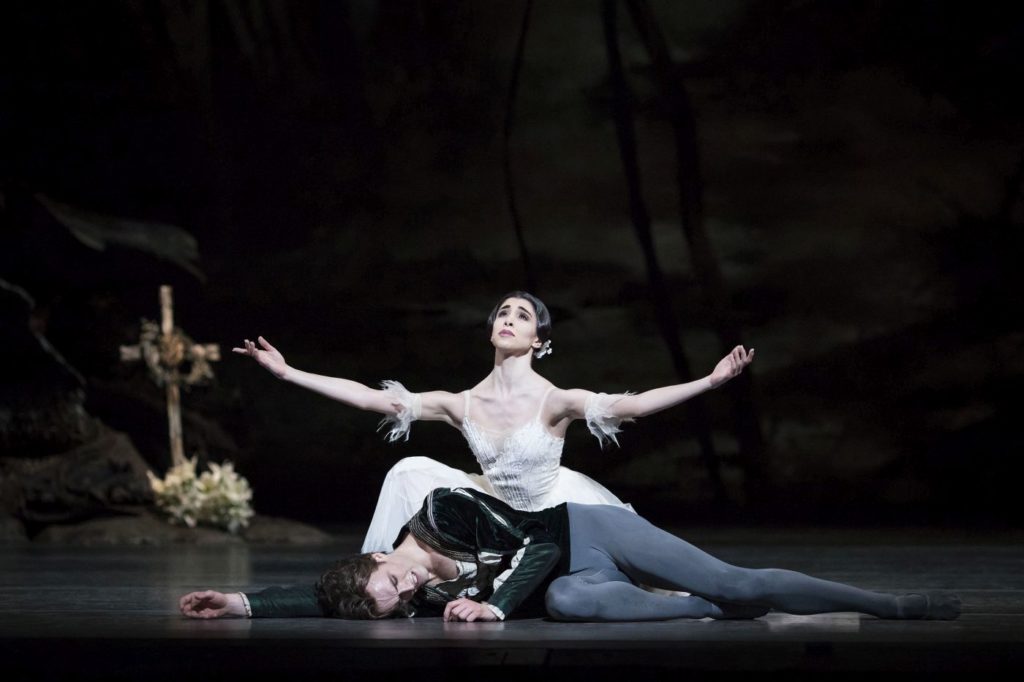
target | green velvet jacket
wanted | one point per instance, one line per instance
(517, 555)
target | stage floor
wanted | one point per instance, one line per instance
(109, 613)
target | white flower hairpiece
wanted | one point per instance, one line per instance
(543, 350)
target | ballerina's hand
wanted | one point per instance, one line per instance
(731, 365)
(269, 357)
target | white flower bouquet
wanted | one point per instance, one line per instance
(218, 497)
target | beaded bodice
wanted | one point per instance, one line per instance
(522, 465)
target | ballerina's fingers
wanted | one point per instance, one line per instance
(736, 360)
(245, 350)
(743, 357)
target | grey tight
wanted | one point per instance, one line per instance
(614, 549)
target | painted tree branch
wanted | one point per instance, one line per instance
(663, 309)
(705, 263)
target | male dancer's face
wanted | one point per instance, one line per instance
(395, 580)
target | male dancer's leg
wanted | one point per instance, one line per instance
(607, 542)
(606, 594)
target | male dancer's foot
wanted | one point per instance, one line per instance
(928, 606)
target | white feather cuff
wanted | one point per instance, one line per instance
(600, 420)
(408, 410)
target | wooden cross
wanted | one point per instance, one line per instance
(165, 348)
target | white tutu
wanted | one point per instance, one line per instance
(409, 481)
(572, 486)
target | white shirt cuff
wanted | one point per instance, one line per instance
(497, 612)
(245, 603)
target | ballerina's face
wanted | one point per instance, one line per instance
(515, 327)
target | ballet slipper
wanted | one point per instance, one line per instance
(936, 606)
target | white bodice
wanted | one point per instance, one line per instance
(522, 465)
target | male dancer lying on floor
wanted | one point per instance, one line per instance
(470, 557)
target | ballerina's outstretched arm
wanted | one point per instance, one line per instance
(657, 399)
(580, 404)
(389, 401)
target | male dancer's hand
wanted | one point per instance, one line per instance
(211, 604)
(468, 610)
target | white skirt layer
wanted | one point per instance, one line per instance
(409, 481)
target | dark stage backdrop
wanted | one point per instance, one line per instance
(835, 184)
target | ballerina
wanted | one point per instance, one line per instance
(514, 420)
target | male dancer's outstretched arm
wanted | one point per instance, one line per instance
(212, 604)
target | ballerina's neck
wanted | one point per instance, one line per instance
(510, 371)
